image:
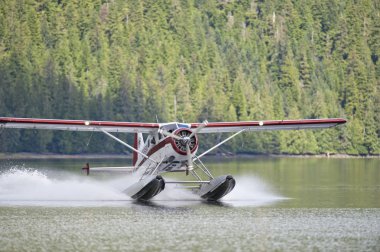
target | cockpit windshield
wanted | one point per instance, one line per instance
(181, 125)
(173, 126)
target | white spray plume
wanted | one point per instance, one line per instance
(251, 191)
(30, 186)
(33, 185)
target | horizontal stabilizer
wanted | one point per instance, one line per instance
(87, 169)
(112, 169)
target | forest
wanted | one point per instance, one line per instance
(190, 60)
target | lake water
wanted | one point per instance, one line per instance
(281, 204)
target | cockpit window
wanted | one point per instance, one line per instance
(170, 127)
(173, 126)
(181, 125)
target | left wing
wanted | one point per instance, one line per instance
(214, 127)
(77, 125)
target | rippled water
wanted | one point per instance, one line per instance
(278, 204)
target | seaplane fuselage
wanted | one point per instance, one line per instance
(171, 153)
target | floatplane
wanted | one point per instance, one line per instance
(169, 147)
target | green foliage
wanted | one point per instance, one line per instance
(189, 61)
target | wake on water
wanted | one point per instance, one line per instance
(32, 185)
(23, 186)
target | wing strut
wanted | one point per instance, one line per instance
(219, 144)
(127, 145)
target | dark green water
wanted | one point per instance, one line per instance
(281, 204)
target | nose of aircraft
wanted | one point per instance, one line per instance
(187, 140)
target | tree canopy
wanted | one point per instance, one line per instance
(190, 60)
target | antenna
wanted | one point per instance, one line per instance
(175, 107)
(157, 119)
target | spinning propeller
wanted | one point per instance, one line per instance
(199, 128)
(169, 134)
(185, 141)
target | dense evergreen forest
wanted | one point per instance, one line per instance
(190, 60)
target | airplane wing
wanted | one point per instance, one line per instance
(133, 127)
(77, 125)
(215, 127)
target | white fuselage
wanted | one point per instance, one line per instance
(165, 153)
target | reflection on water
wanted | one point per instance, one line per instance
(277, 204)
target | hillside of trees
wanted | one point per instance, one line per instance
(190, 60)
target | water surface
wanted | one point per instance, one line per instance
(278, 204)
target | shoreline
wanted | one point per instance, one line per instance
(23, 155)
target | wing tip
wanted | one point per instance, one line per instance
(341, 120)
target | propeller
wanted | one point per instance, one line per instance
(170, 134)
(189, 159)
(188, 152)
(186, 140)
(199, 128)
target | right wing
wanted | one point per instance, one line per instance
(215, 127)
(77, 125)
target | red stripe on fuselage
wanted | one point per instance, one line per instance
(169, 140)
(157, 147)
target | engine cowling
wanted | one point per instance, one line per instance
(179, 145)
